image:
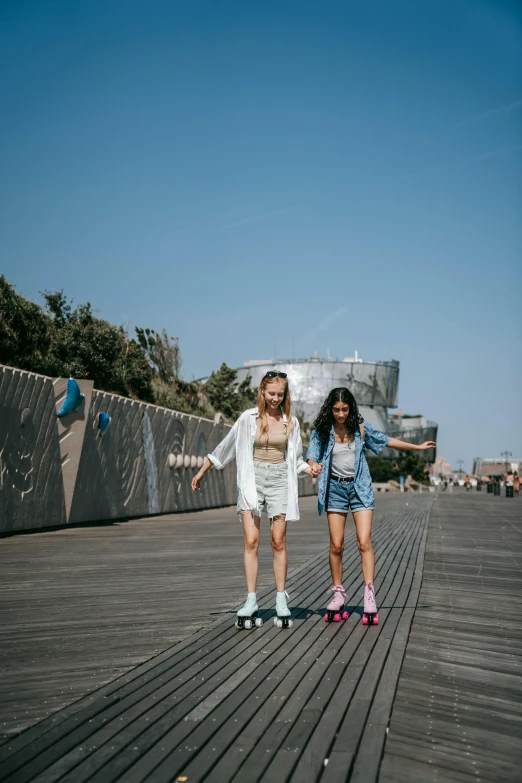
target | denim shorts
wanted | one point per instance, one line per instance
(343, 498)
(272, 488)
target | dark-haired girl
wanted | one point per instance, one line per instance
(336, 453)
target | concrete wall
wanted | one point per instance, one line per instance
(59, 471)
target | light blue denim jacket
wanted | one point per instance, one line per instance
(320, 452)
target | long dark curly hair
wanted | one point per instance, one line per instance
(325, 419)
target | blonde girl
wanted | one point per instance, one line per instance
(266, 443)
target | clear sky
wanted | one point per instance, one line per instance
(281, 176)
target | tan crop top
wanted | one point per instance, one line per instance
(273, 451)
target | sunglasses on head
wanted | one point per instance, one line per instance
(274, 374)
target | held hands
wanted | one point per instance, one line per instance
(315, 468)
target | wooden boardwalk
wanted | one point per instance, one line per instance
(82, 605)
(458, 711)
(315, 702)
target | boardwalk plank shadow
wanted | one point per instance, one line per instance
(315, 703)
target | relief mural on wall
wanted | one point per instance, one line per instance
(150, 464)
(30, 468)
(72, 401)
(61, 462)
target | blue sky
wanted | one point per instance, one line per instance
(316, 176)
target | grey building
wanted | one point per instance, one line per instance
(495, 467)
(373, 384)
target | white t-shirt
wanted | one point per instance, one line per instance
(343, 460)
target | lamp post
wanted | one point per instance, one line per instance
(506, 454)
(460, 463)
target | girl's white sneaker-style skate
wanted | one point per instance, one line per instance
(247, 615)
(283, 619)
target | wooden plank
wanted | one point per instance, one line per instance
(457, 707)
(223, 705)
(367, 762)
(344, 717)
(222, 739)
(294, 693)
(45, 739)
(82, 635)
(332, 686)
(173, 737)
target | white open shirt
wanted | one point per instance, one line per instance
(239, 443)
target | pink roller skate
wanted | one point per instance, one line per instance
(370, 616)
(335, 611)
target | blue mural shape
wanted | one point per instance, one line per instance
(103, 422)
(73, 400)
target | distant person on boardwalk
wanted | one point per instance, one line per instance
(336, 453)
(468, 482)
(516, 483)
(266, 442)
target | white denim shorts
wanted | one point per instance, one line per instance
(272, 488)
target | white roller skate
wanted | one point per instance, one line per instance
(283, 619)
(370, 616)
(247, 616)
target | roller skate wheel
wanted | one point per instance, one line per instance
(259, 622)
(376, 620)
(365, 619)
(337, 618)
(237, 624)
(326, 618)
(290, 624)
(278, 622)
(248, 624)
(344, 615)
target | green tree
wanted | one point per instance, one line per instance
(226, 395)
(182, 396)
(26, 332)
(410, 464)
(58, 340)
(162, 352)
(61, 340)
(85, 346)
(407, 464)
(382, 470)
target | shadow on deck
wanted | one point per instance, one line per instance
(312, 703)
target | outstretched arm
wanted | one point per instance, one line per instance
(394, 443)
(222, 454)
(196, 481)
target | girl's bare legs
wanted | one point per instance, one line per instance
(363, 527)
(251, 533)
(278, 541)
(336, 524)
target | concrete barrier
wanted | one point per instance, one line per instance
(58, 471)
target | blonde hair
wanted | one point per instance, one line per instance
(285, 406)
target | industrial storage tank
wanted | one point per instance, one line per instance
(373, 384)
